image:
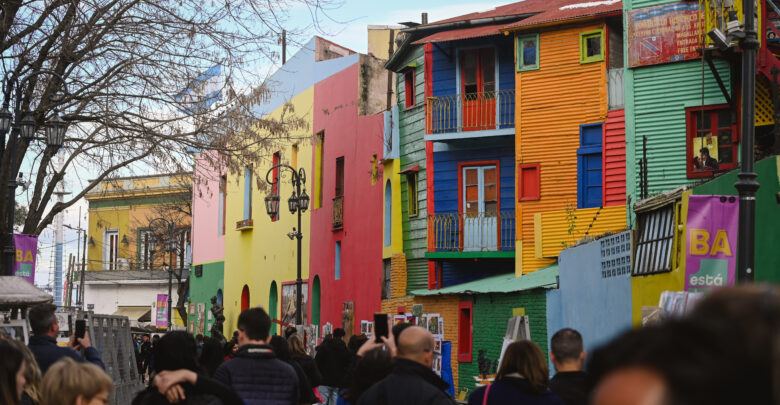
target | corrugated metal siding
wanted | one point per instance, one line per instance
(416, 274)
(659, 114)
(558, 231)
(412, 127)
(552, 103)
(615, 159)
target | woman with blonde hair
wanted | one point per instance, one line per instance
(32, 374)
(70, 383)
(523, 378)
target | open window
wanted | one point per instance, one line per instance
(712, 140)
(411, 193)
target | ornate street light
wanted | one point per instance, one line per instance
(292, 202)
(5, 120)
(28, 127)
(55, 131)
(303, 201)
(272, 205)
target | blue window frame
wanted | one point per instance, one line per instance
(337, 266)
(247, 192)
(589, 166)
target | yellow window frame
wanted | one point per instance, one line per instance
(584, 36)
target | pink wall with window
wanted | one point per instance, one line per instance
(208, 235)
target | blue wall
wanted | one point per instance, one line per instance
(598, 306)
(445, 174)
(444, 62)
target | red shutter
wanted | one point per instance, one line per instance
(465, 321)
(528, 182)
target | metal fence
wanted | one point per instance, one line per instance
(110, 335)
(461, 232)
(470, 112)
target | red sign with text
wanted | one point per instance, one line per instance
(663, 34)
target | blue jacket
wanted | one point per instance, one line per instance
(258, 377)
(513, 390)
(46, 353)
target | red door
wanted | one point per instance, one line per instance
(478, 89)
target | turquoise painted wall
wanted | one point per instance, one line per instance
(491, 313)
(204, 287)
(767, 239)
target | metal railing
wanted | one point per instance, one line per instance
(461, 232)
(338, 212)
(470, 112)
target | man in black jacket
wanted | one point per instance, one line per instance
(332, 360)
(567, 355)
(412, 381)
(255, 373)
(43, 344)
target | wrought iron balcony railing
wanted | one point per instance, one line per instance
(470, 112)
(461, 232)
(338, 212)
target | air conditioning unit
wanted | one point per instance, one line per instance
(123, 264)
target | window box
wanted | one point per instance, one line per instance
(245, 224)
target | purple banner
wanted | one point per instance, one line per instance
(26, 253)
(711, 257)
(162, 310)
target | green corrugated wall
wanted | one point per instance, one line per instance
(412, 129)
(656, 98)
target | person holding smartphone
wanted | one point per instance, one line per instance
(43, 343)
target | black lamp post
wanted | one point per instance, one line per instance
(27, 127)
(298, 202)
(747, 184)
(170, 247)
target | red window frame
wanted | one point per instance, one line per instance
(223, 190)
(691, 132)
(465, 330)
(409, 88)
(275, 187)
(535, 193)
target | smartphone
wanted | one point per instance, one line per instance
(380, 327)
(81, 328)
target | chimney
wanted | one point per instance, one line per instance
(425, 18)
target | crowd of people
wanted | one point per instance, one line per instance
(726, 351)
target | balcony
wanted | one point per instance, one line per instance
(338, 212)
(461, 235)
(470, 115)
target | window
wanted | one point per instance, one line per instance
(337, 261)
(319, 150)
(146, 248)
(712, 140)
(339, 177)
(465, 310)
(589, 172)
(527, 47)
(409, 89)
(183, 241)
(528, 182)
(110, 249)
(221, 219)
(294, 156)
(411, 193)
(247, 192)
(386, 273)
(275, 187)
(592, 46)
(388, 213)
(655, 235)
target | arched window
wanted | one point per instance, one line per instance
(219, 296)
(388, 214)
(315, 301)
(245, 298)
(273, 310)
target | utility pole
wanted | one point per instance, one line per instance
(284, 47)
(747, 184)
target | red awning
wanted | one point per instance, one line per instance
(463, 33)
(410, 170)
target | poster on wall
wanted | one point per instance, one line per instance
(201, 322)
(288, 302)
(162, 310)
(710, 260)
(663, 34)
(26, 254)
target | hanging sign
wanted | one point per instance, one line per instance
(162, 310)
(25, 258)
(711, 257)
(663, 34)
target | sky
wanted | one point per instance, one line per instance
(345, 25)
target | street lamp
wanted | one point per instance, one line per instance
(298, 202)
(26, 127)
(170, 247)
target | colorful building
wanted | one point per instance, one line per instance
(124, 252)
(345, 268)
(569, 134)
(208, 239)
